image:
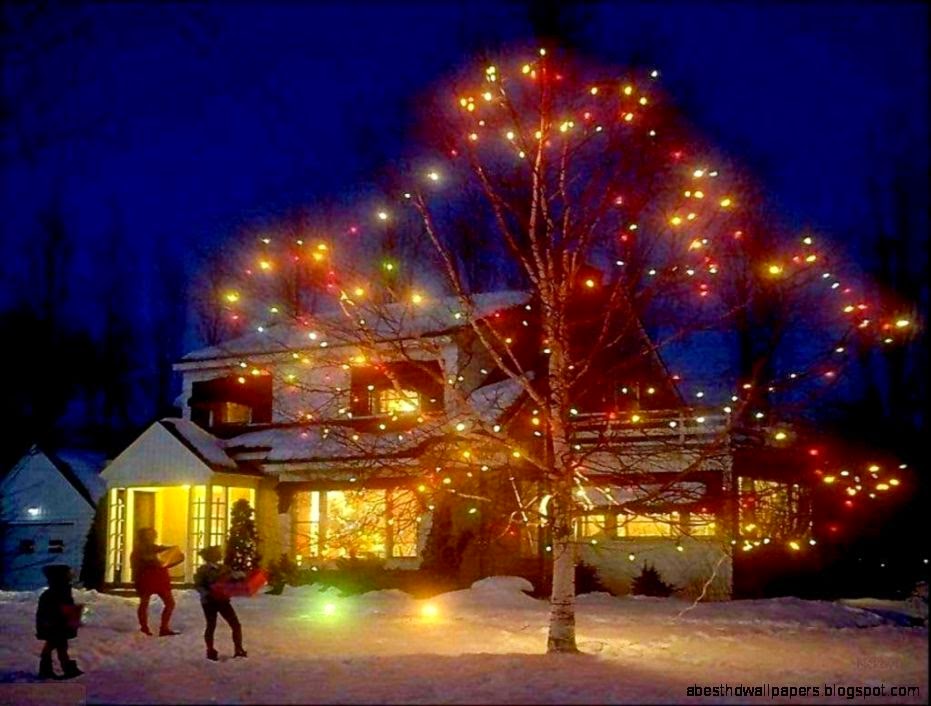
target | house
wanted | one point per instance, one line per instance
(47, 506)
(342, 439)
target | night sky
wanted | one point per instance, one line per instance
(165, 130)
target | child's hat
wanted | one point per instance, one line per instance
(57, 573)
(212, 554)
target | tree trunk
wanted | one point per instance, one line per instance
(562, 599)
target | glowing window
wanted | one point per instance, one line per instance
(772, 509)
(658, 525)
(590, 526)
(702, 525)
(233, 413)
(218, 516)
(198, 519)
(394, 401)
(363, 523)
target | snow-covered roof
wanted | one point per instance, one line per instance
(86, 466)
(323, 443)
(491, 402)
(203, 444)
(382, 323)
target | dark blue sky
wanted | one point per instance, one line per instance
(184, 123)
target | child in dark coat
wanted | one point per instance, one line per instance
(57, 620)
(209, 581)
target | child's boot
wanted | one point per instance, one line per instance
(240, 652)
(212, 654)
(70, 670)
(45, 667)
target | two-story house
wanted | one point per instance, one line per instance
(339, 437)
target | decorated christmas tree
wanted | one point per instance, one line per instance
(242, 546)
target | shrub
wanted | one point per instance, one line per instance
(281, 572)
(587, 579)
(650, 583)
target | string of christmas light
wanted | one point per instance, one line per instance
(673, 227)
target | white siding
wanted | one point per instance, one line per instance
(156, 458)
(59, 512)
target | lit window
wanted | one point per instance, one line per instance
(218, 516)
(394, 401)
(701, 525)
(56, 546)
(658, 525)
(27, 546)
(773, 509)
(360, 524)
(233, 413)
(590, 526)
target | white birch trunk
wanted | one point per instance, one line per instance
(562, 599)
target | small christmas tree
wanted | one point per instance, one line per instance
(242, 546)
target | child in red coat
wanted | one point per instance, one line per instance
(151, 578)
(57, 621)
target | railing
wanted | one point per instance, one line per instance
(673, 426)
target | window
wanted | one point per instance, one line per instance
(116, 532)
(56, 546)
(233, 413)
(658, 525)
(771, 509)
(393, 401)
(218, 516)
(403, 523)
(365, 523)
(198, 518)
(27, 546)
(590, 526)
(701, 525)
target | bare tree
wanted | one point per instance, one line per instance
(629, 246)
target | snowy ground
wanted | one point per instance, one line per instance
(483, 645)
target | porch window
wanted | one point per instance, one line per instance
(218, 515)
(198, 519)
(657, 525)
(116, 532)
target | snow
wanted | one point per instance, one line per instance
(484, 645)
(86, 466)
(490, 402)
(312, 443)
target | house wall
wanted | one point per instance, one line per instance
(59, 513)
(688, 570)
(272, 542)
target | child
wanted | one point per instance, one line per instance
(151, 578)
(209, 581)
(57, 620)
